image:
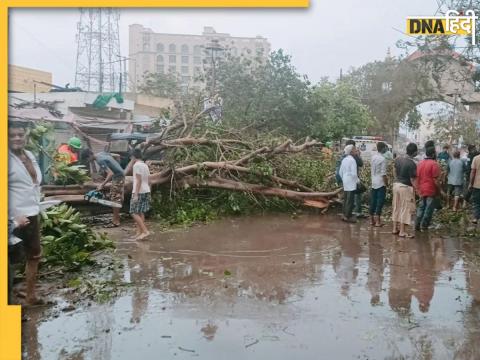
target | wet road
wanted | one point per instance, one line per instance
(279, 288)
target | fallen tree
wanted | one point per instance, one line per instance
(200, 154)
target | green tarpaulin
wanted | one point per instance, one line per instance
(102, 101)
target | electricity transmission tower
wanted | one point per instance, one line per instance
(99, 62)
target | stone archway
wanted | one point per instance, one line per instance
(425, 75)
(448, 78)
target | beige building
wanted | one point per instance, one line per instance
(22, 79)
(183, 54)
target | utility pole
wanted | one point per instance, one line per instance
(213, 47)
(452, 122)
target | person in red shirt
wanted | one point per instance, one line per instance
(428, 185)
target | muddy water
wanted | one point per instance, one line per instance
(278, 288)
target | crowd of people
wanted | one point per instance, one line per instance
(432, 179)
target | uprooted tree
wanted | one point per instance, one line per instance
(200, 154)
(266, 104)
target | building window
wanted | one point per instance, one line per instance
(185, 79)
(160, 47)
(172, 69)
(172, 48)
(160, 67)
(185, 59)
(184, 49)
(197, 50)
(146, 41)
(146, 64)
(172, 58)
(234, 51)
(197, 60)
(184, 69)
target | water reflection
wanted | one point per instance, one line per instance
(291, 273)
(345, 260)
(375, 267)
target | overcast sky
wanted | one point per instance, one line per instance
(322, 39)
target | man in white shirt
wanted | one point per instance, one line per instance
(140, 202)
(348, 173)
(379, 184)
(24, 179)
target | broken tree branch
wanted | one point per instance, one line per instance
(220, 183)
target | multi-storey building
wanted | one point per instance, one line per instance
(183, 54)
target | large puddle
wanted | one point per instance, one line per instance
(274, 287)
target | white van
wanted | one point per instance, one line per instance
(366, 144)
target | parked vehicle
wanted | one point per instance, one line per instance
(366, 144)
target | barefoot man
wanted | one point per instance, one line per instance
(24, 178)
(140, 202)
(403, 202)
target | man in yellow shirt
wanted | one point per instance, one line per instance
(475, 187)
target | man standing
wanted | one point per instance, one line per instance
(379, 184)
(472, 152)
(428, 180)
(24, 179)
(349, 175)
(112, 171)
(357, 197)
(403, 191)
(455, 169)
(474, 184)
(140, 202)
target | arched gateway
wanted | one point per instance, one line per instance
(398, 86)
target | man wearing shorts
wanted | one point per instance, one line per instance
(140, 202)
(456, 170)
(403, 191)
(24, 179)
(114, 172)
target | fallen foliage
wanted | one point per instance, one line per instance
(66, 241)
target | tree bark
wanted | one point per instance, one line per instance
(220, 183)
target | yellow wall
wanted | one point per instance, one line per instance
(21, 79)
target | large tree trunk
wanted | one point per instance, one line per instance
(219, 183)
